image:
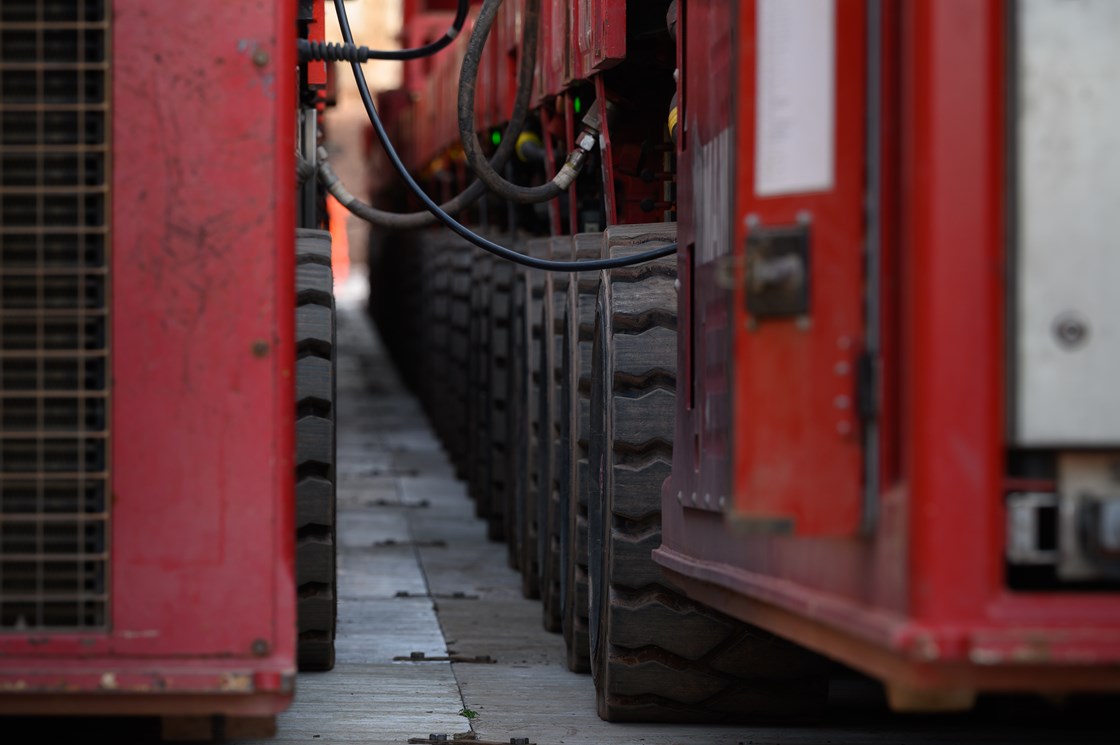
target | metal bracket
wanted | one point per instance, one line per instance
(437, 596)
(481, 659)
(468, 737)
(422, 504)
(391, 542)
(777, 259)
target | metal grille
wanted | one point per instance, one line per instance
(54, 423)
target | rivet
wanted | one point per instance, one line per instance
(260, 57)
(723, 503)
(1071, 330)
(842, 402)
(259, 647)
(260, 348)
(843, 428)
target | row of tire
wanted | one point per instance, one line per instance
(554, 396)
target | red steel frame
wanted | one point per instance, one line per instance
(202, 557)
(919, 600)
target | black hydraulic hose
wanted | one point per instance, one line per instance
(450, 222)
(424, 218)
(349, 52)
(472, 148)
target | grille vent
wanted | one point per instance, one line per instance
(54, 284)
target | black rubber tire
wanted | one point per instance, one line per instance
(523, 428)
(537, 462)
(478, 425)
(437, 298)
(486, 392)
(500, 521)
(316, 448)
(574, 409)
(453, 421)
(656, 655)
(551, 354)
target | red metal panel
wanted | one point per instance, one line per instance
(509, 45)
(555, 45)
(701, 460)
(797, 449)
(580, 20)
(317, 71)
(598, 36)
(416, 32)
(920, 601)
(203, 227)
(953, 290)
(607, 33)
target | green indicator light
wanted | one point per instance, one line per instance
(496, 137)
(578, 104)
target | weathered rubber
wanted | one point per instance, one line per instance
(657, 656)
(574, 407)
(316, 535)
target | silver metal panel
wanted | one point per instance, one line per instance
(1067, 266)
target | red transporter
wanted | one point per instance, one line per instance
(896, 443)
(147, 561)
(893, 439)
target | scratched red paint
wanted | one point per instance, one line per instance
(921, 598)
(202, 559)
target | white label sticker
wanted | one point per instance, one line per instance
(795, 130)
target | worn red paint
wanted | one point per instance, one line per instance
(202, 558)
(920, 600)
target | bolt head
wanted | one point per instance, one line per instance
(1071, 330)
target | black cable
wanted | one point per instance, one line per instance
(350, 52)
(424, 218)
(450, 222)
